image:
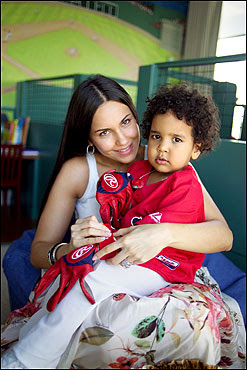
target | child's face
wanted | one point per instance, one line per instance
(170, 144)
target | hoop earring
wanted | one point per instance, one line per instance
(90, 149)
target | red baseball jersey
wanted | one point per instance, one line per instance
(178, 199)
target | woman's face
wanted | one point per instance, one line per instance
(115, 132)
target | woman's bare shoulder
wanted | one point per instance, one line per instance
(76, 172)
(75, 163)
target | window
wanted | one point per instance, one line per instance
(101, 6)
(232, 40)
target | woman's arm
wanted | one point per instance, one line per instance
(211, 236)
(69, 185)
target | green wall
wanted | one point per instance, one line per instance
(223, 173)
(134, 15)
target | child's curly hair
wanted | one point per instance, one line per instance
(199, 112)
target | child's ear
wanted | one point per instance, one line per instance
(196, 151)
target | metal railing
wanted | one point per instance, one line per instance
(199, 73)
(47, 100)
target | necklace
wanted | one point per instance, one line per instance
(146, 174)
(138, 183)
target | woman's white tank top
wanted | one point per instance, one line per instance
(87, 205)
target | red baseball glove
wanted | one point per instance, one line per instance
(73, 266)
(114, 193)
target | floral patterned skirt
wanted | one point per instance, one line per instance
(180, 322)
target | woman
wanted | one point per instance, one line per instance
(102, 119)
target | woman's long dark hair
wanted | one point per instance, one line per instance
(86, 99)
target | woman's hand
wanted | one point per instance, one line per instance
(87, 230)
(139, 243)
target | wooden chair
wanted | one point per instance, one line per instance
(11, 163)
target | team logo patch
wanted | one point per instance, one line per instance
(111, 180)
(156, 217)
(81, 252)
(171, 264)
(135, 219)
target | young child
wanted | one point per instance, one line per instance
(180, 125)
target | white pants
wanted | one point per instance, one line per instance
(44, 338)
